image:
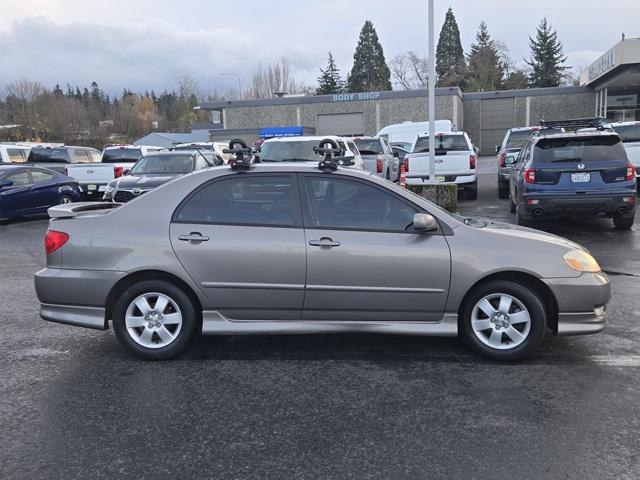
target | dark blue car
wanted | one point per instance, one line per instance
(28, 190)
(585, 172)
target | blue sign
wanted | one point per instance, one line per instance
(272, 132)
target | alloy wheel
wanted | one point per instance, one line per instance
(501, 321)
(153, 320)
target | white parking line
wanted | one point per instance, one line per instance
(616, 360)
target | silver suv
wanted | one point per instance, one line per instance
(299, 248)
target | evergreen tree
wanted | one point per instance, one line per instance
(450, 62)
(329, 82)
(57, 91)
(370, 71)
(547, 57)
(485, 68)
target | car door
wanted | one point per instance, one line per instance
(364, 261)
(44, 188)
(515, 173)
(241, 240)
(17, 199)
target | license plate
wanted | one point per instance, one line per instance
(91, 187)
(440, 178)
(580, 177)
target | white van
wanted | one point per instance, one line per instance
(405, 134)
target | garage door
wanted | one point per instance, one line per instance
(497, 116)
(341, 124)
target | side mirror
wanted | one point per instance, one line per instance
(125, 171)
(497, 149)
(423, 222)
(5, 183)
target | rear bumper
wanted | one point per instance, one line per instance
(548, 205)
(88, 317)
(581, 303)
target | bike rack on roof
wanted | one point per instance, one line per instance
(243, 159)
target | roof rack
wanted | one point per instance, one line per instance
(575, 123)
(243, 159)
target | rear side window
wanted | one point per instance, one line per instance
(629, 133)
(246, 200)
(16, 155)
(444, 143)
(579, 149)
(48, 155)
(40, 176)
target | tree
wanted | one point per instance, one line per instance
(450, 62)
(547, 57)
(275, 78)
(26, 96)
(329, 82)
(410, 71)
(486, 69)
(370, 71)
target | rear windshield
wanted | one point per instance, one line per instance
(369, 147)
(48, 155)
(629, 133)
(163, 165)
(579, 149)
(298, 151)
(115, 155)
(444, 143)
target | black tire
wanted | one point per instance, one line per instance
(184, 336)
(521, 220)
(65, 199)
(528, 297)
(623, 222)
(503, 190)
(472, 192)
(512, 205)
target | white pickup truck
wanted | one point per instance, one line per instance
(455, 162)
(116, 160)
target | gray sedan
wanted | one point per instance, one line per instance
(292, 248)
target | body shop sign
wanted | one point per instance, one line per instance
(350, 97)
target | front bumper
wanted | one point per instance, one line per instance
(581, 303)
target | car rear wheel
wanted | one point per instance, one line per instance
(64, 199)
(503, 320)
(154, 320)
(623, 222)
(520, 219)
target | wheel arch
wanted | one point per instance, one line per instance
(549, 300)
(140, 276)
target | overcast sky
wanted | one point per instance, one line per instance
(143, 44)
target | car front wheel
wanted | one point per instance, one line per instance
(154, 320)
(503, 320)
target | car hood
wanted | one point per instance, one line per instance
(530, 234)
(141, 181)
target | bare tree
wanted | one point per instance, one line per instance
(275, 78)
(27, 95)
(410, 71)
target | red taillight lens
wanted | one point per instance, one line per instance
(54, 240)
(631, 172)
(473, 160)
(379, 165)
(529, 175)
(405, 162)
(502, 158)
(117, 171)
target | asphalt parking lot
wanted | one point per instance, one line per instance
(73, 404)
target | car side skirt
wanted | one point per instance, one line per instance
(213, 323)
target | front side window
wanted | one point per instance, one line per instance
(20, 178)
(163, 165)
(343, 203)
(245, 200)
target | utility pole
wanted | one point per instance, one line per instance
(432, 94)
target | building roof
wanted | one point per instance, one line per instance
(163, 139)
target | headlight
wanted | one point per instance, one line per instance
(581, 261)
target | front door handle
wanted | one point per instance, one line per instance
(193, 237)
(324, 242)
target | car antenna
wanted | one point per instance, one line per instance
(331, 151)
(243, 159)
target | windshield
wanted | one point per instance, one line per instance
(629, 133)
(163, 165)
(580, 149)
(369, 146)
(444, 143)
(114, 155)
(297, 151)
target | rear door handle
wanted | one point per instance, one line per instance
(324, 242)
(193, 237)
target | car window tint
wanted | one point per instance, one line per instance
(40, 176)
(251, 200)
(48, 155)
(341, 203)
(20, 178)
(16, 155)
(191, 211)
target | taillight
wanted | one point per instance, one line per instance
(631, 172)
(117, 171)
(379, 165)
(502, 158)
(473, 160)
(529, 175)
(405, 162)
(53, 240)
